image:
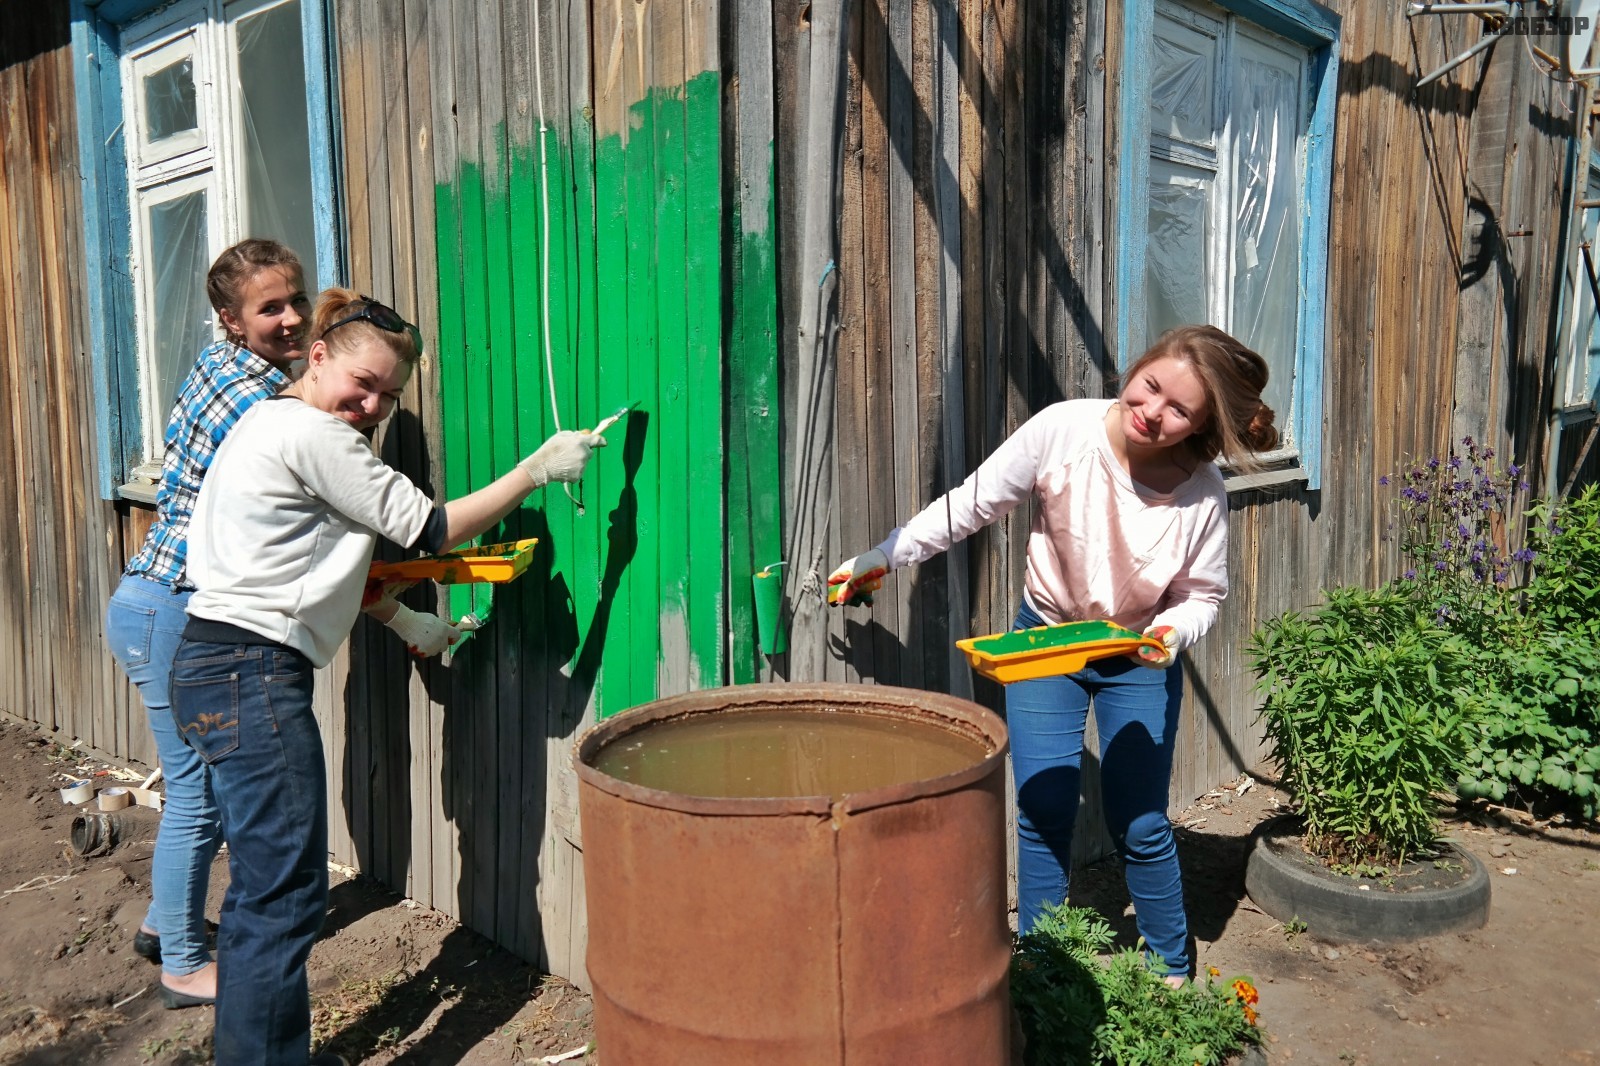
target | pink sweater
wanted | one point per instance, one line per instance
(1101, 545)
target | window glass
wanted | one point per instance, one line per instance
(274, 141)
(170, 106)
(1583, 370)
(1176, 279)
(1265, 109)
(181, 319)
(1229, 106)
(1181, 90)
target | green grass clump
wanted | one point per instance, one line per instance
(1079, 1010)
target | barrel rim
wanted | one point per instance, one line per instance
(990, 727)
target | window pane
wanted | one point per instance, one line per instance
(180, 314)
(1182, 97)
(1176, 279)
(169, 101)
(274, 139)
(1266, 284)
(1582, 371)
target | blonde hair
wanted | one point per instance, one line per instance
(336, 304)
(1237, 423)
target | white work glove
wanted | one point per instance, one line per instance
(1157, 659)
(562, 457)
(425, 634)
(855, 580)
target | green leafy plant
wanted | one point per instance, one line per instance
(1538, 740)
(1563, 592)
(1077, 1009)
(1366, 703)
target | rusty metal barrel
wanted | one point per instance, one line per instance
(860, 929)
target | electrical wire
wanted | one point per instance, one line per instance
(544, 234)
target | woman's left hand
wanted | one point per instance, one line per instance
(1153, 658)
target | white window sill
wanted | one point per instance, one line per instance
(138, 492)
(141, 486)
(1279, 474)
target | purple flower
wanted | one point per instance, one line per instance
(1462, 530)
(1488, 453)
(1433, 464)
(1523, 485)
(1523, 555)
(1513, 470)
(1410, 575)
(1455, 463)
(1467, 441)
(1439, 566)
(1384, 480)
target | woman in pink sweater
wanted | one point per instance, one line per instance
(1130, 525)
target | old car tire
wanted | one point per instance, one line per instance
(1334, 907)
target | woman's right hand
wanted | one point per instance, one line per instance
(855, 580)
(562, 457)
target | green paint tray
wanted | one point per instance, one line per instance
(486, 562)
(1046, 651)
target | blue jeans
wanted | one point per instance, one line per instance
(144, 622)
(246, 708)
(1136, 709)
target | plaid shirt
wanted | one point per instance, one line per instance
(226, 382)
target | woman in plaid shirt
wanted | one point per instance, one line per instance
(258, 290)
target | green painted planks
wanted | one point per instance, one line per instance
(634, 294)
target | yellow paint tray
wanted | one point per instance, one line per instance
(486, 562)
(1046, 651)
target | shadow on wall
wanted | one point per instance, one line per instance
(26, 33)
(524, 679)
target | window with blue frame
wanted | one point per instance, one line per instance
(1227, 129)
(1581, 384)
(201, 122)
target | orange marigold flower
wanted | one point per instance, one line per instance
(1212, 971)
(1250, 1015)
(1245, 991)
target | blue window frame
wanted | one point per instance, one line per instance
(1227, 112)
(170, 136)
(1580, 374)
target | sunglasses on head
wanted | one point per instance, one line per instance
(384, 317)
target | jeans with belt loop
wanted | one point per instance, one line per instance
(246, 708)
(1136, 711)
(144, 623)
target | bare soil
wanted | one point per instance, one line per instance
(393, 982)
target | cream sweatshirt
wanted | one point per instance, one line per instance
(285, 523)
(1101, 546)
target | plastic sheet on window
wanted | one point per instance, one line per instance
(1181, 92)
(273, 124)
(1266, 282)
(170, 106)
(1175, 257)
(181, 316)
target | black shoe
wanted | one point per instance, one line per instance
(148, 945)
(172, 999)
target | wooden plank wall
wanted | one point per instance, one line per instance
(62, 546)
(456, 780)
(1036, 160)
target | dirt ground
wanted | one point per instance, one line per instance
(395, 983)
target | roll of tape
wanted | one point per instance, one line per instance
(114, 799)
(146, 797)
(78, 792)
